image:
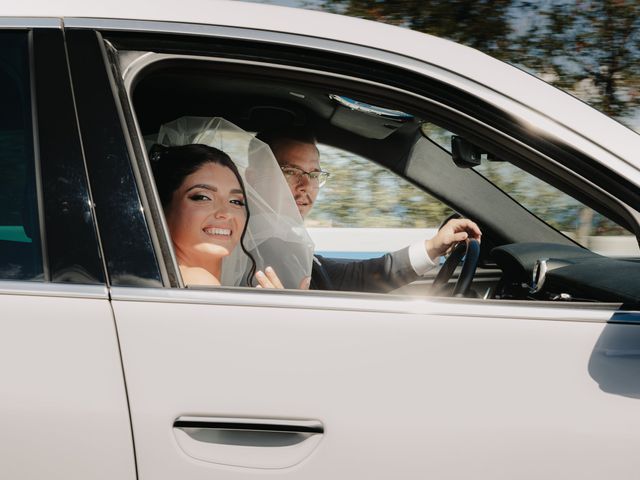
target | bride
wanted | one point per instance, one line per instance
(214, 204)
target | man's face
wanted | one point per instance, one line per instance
(305, 157)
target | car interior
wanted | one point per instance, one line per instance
(521, 256)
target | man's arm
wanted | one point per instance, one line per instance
(377, 275)
(392, 270)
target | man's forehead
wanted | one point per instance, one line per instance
(298, 154)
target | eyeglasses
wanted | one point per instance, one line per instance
(294, 176)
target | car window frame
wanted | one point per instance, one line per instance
(63, 201)
(154, 63)
(152, 30)
(68, 214)
(120, 205)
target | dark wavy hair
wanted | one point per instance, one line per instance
(171, 165)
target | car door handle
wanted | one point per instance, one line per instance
(247, 442)
(250, 425)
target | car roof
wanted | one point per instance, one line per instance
(448, 56)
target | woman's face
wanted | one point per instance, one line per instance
(206, 215)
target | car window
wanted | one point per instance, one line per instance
(582, 224)
(365, 210)
(20, 252)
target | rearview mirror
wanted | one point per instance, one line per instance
(464, 153)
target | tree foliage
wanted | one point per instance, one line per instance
(588, 47)
(482, 24)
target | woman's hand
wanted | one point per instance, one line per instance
(269, 279)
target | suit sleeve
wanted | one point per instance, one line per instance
(378, 275)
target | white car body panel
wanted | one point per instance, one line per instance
(418, 395)
(63, 406)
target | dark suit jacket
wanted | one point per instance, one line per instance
(379, 275)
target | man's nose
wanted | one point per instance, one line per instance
(303, 182)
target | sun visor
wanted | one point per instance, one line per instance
(366, 120)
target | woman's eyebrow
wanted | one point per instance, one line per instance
(203, 185)
(235, 191)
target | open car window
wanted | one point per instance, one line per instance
(366, 210)
(394, 171)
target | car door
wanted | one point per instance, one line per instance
(63, 406)
(239, 383)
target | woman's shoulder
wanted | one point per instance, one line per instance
(198, 276)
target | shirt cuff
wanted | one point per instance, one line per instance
(419, 259)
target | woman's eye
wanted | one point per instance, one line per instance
(198, 197)
(238, 202)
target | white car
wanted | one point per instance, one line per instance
(111, 370)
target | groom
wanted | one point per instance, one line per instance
(299, 158)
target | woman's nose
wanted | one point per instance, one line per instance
(221, 211)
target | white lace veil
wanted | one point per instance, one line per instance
(275, 234)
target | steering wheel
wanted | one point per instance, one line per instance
(470, 251)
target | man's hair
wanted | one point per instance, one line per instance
(275, 138)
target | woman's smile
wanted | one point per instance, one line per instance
(224, 232)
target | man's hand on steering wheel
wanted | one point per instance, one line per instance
(452, 232)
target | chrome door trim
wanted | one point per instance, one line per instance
(371, 303)
(41, 289)
(29, 22)
(35, 117)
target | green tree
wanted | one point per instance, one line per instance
(482, 24)
(588, 47)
